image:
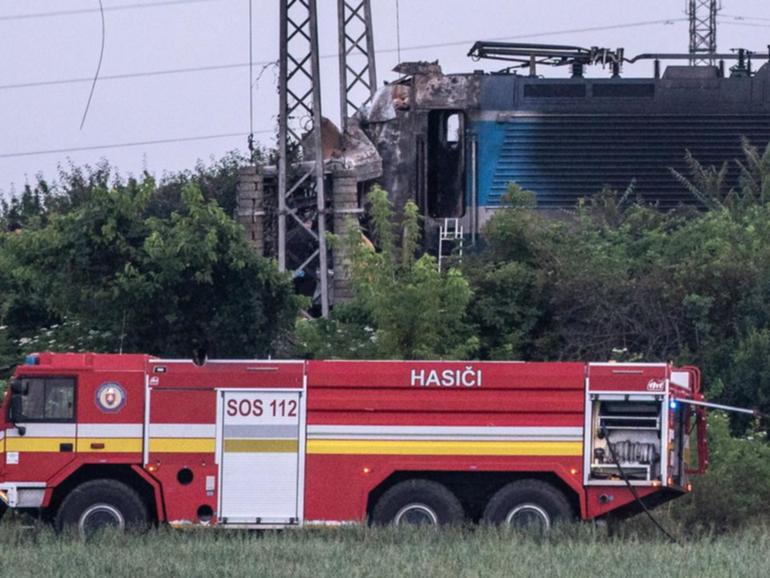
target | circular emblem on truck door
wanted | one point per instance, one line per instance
(110, 397)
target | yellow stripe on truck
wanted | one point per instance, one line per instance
(445, 448)
(322, 447)
(261, 446)
(25, 444)
(110, 445)
(183, 445)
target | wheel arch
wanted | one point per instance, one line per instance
(133, 476)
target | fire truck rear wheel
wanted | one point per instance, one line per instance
(418, 502)
(99, 504)
(528, 504)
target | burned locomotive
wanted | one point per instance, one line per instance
(453, 143)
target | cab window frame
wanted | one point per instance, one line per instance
(73, 382)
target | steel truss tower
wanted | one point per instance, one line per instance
(358, 76)
(703, 30)
(300, 144)
(301, 178)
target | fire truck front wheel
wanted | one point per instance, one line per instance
(99, 504)
(418, 502)
(528, 504)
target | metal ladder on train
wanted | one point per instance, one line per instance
(450, 241)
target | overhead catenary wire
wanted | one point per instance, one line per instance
(80, 11)
(237, 65)
(129, 144)
(123, 76)
(739, 17)
(98, 66)
(265, 65)
(747, 24)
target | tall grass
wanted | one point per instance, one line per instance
(576, 551)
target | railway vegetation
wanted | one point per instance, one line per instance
(104, 263)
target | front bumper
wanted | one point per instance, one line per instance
(22, 494)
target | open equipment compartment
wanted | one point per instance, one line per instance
(633, 425)
(627, 424)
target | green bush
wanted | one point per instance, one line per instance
(108, 274)
(735, 490)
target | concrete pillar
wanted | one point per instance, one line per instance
(251, 206)
(345, 202)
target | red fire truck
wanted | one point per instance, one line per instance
(128, 440)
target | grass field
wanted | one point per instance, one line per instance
(319, 553)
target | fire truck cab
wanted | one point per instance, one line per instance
(89, 440)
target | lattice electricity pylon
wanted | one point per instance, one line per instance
(358, 75)
(301, 178)
(703, 30)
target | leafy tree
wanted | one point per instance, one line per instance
(217, 180)
(108, 275)
(207, 286)
(708, 184)
(748, 374)
(403, 307)
(510, 281)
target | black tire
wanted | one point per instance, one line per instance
(98, 504)
(419, 502)
(528, 504)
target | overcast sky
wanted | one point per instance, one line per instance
(160, 35)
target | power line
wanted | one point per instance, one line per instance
(128, 144)
(737, 17)
(124, 76)
(539, 34)
(80, 11)
(98, 66)
(747, 24)
(217, 67)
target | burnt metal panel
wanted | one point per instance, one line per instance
(624, 90)
(554, 90)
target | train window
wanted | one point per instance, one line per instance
(453, 128)
(445, 169)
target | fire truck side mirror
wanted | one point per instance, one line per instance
(14, 410)
(17, 387)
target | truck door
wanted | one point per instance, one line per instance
(260, 449)
(43, 441)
